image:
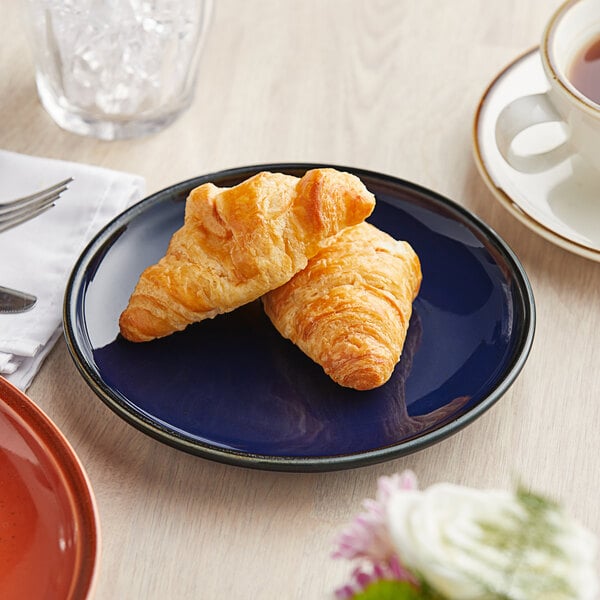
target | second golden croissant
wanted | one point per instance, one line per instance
(239, 243)
(349, 310)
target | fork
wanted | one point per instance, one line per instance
(22, 209)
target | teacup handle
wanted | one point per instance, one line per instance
(518, 116)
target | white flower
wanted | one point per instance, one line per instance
(472, 544)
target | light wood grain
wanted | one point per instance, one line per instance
(385, 85)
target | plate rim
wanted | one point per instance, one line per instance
(73, 475)
(283, 463)
(500, 194)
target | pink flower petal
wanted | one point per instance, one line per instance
(345, 593)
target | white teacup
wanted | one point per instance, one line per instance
(573, 26)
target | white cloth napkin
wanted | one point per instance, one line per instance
(37, 256)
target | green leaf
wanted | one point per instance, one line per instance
(397, 590)
(389, 590)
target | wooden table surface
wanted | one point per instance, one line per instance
(388, 85)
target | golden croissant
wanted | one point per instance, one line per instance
(238, 243)
(349, 309)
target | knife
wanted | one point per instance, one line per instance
(13, 301)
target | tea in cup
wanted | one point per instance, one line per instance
(570, 55)
(585, 70)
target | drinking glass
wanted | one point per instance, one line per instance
(116, 68)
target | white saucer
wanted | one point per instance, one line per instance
(561, 204)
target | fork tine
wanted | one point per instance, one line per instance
(61, 185)
(31, 201)
(25, 208)
(30, 207)
(35, 195)
(38, 198)
(8, 223)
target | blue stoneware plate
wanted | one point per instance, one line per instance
(233, 390)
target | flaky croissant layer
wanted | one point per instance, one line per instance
(239, 243)
(349, 309)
